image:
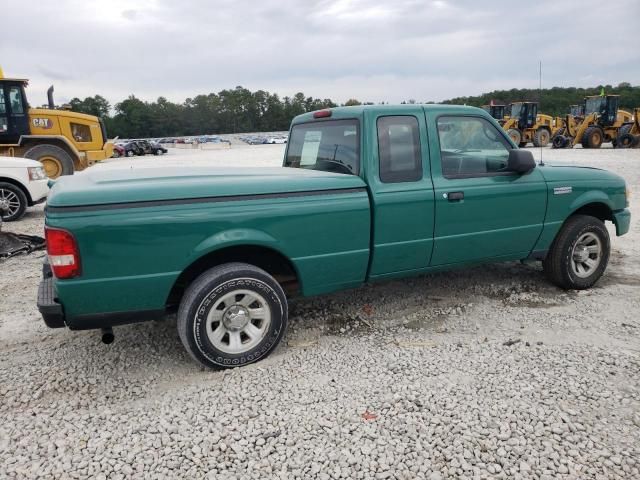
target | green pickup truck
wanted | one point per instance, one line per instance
(365, 194)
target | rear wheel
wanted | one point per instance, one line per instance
(592, 137)
(541, 137)
(232, 315)
(13, 202)
(626, 140)
(515, 135)
(55, 160)
(579, 254)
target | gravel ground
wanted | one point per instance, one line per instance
(483, 373)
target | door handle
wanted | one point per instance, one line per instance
(455, 196)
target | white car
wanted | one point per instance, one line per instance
(273, 140)
(23, 183)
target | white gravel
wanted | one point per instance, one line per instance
(402, 380)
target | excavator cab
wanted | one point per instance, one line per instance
(576, 110)
(605, 106)
(14, 110)
(497, 111)
(525, 113)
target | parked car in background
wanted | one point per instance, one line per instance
(118, 151)
(157, 149)
(132, 148)
(273, 140)
(23, 183)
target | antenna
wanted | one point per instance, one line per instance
(540, 102)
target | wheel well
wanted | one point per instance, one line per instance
(52, 141)
(598, 210)
(271, 261)
(19, 185)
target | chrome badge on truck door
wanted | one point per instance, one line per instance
(562, 190)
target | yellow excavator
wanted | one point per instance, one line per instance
(63, 141)
(524, 124)
(602, 123)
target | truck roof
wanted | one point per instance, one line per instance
(359, 110)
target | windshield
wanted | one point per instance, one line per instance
(330, 146)
(516, 110)
(593, 105)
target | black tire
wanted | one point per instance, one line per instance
(14, 199)
(51, 153)
(209, 289)
(559, 141)
(559, 265)
(515, 135)
(115, 155)
(626, 140)
(156, 152)
(541, 137)
(592, 137)
(130, 153)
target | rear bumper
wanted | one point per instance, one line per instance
(51, 311)
(53, 314)
(622, 220)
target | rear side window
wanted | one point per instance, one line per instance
(399, 149)
(331, 146)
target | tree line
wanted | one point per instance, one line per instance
(240, 110)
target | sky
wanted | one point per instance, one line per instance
(371, 50)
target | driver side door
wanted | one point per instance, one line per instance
(483, 211)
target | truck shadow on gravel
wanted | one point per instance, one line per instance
(426, 301)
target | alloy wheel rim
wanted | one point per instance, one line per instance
(238, 321)
(586, 255)
(9, 203)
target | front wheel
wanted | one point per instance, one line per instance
(579, 255)
(13, 202)
(232, 315)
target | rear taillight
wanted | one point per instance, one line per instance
(64, 257)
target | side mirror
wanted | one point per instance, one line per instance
(520, 161)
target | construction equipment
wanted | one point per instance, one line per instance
(496, 111)
(602, 123)
(629, 133)
(524, 124)
(63, 141)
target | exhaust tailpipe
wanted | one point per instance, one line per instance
(50, 98)
(107, 335)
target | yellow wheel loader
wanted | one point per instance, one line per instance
(524, 124)
(496, 111)
(601, 123)
(63, 141)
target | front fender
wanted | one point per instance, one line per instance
(591, 196)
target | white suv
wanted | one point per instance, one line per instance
(23, 183)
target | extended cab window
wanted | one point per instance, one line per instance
(331, 146)
(399, 149)
(471, 147)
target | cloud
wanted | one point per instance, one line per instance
(368, 49)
